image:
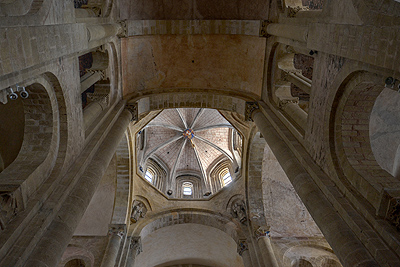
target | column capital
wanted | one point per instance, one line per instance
(136, 245)
(123, 32)
(262, 231)
(250, 108)
(263, 28)
(117, 229)
(284, 102)
(133, 109)
(242, 246)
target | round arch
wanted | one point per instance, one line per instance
(350, 136)
(167, 218)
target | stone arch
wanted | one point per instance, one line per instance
(308, 255)
(44, 143)
(374, 12)
(349, 129)
(195, 184)
(12, 8)
(217, 167)
(100, 8)
(73, 252)
(194, 99)
(172, 217)
(254, 194)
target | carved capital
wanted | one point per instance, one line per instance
(262, 232)
(133, 109)
(250, 108)
(118, 230)
(263, 28)
(136, 245)
(393, 214)
(123, 32)
(139, 210)
(292, 11)
(284, 102)
(242, 246)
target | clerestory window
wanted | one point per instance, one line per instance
(187, 189)
(226, 178)
(149, 177)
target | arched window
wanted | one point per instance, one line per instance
(149, 176)
(226, 177)
(187, 189)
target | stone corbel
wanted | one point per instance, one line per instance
(139, 210)
(238, 211)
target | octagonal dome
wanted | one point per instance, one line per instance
(189, 152)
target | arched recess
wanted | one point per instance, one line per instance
(218, 171)
(289, 85)
(350, 140)
(99, 82)
(19, 7)
(44, 143)
(192, 244)
(192, 180)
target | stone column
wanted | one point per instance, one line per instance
(243, 250)
(100, 61)
(294, 32)
(98, 32)
(264, 243)
(294, 111)
(89, 79)
(91, 112)
(135, 248)
(84, 13)
(50, 247)
(300, 81)
(344, 242)
(115, 233)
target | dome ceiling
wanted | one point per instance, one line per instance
(187, 142)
